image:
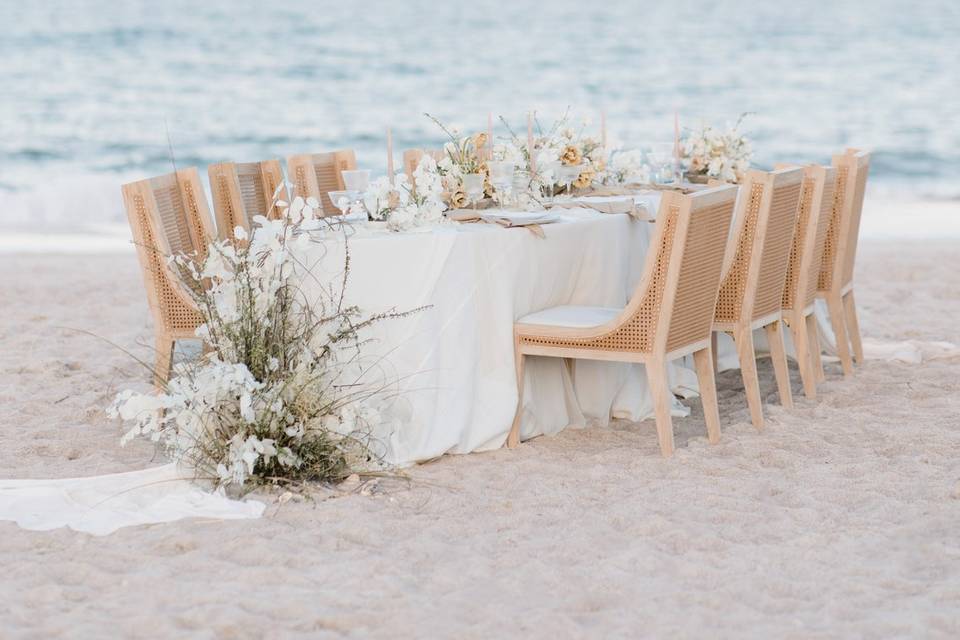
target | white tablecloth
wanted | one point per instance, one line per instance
(454, 360)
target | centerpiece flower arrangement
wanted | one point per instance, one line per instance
(403, 204)
(277, 397)
(462, 156)
(626, 167)
(708, 152)
(564, 143)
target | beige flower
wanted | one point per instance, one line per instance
(488, 189)
(600, 164)
(393, 200)
(457, 199)
(479, 140)
(585, 179)
(571, 155)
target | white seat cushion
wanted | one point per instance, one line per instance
(573, 317)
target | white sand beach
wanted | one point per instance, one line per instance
(839, 520)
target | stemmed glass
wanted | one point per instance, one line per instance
(473, 185)
(342, 200)
(550, 175)
(501, 176)
(569, 173)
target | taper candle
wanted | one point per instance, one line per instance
(530, 150)
(390, 155)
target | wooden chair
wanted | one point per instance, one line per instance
(840, 251)
(754, 274)
(168, 215)
(242, 191)
(411, 158)
(316, 175)
(668, 316)
(803, 270)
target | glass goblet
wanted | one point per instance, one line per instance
(473, 186)
(501, 176)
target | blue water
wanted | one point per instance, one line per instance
(90, 90)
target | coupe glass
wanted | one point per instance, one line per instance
(356, 179)
(473, 185)
(501, 176)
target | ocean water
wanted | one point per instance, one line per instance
(95, 93)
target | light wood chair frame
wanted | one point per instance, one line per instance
(755, 271)
(315, 175)
(242, 190)
(411, 158)
(835, 283)
(668, 316)
(168, 215)
(806, 257)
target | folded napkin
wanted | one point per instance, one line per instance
(614, 204)
(530, 220)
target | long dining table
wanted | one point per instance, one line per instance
(448, 369)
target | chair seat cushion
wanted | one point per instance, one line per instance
(570, 316)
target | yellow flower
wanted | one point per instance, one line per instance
(457, 199)
(571, 155)
(585, 179)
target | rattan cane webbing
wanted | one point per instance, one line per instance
(853, 231)
(823, 225)
(799, 238)
(172, 218)
(637, 333)
(832, 244)
(327, 181)
(252, 195)
(776, 249)
(228, 219)
(272, 179)
(693, 305)
(300, 181)
(175, 315)
(730, 298)
(199, 240)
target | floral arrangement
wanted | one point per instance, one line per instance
(463, 155)
(563, 142)
(405, 205)
(276, 397)
(715, 153)
(626, 167)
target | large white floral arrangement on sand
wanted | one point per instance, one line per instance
(717, 153)
(276, 397)
(405, 205)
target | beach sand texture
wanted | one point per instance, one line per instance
(839, 520)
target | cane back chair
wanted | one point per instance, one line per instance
(316, 175)
(668, 316)
(754, 274)
(803, 271)
(840, 251)
(242, 190)
(168, 216)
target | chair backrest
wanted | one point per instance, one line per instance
(168, 215)
(756, 261)
(810, 234)
(840, 250)
(411, 158)
(242, 191)
(316, 175)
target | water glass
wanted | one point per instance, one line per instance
(473, 185)
(501, 176)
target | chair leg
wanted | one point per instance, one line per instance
(660, 388)
(835, 306)
(801, 342)
(704, 362)
(780, 368)
(748, 369)
(514, 438)
(164, 360)
(813, 337)
(853, 326)
(713, 352)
